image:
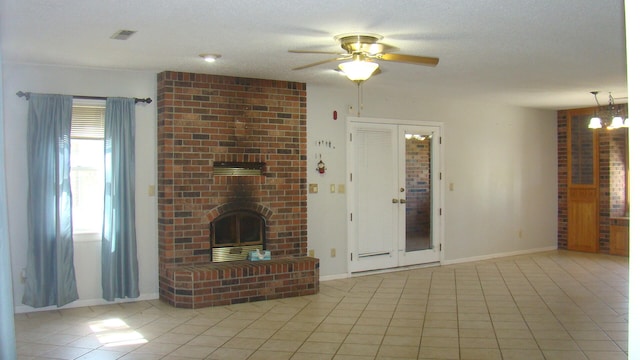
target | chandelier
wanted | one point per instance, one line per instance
(609, 117)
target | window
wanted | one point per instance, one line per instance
(87, 169)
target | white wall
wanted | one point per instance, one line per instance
(501, 160)
(632, 12)
(73, 81)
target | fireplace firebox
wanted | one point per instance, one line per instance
(235, 234)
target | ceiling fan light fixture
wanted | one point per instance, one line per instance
(358, 70)
(210, 57)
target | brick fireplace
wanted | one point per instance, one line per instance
(205, 121)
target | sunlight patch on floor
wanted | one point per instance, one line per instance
(116, 332)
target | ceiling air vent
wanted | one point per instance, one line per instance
(123, 34)
(238, 168)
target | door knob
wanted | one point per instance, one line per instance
(401, 189)
(395, 201)
(403, 201)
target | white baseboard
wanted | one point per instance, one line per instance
(334, 277)
(442, 262)
(21, 309)
(498, 255)
(399, 268)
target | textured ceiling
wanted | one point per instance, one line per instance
(535, 53)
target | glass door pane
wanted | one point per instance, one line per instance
(418, 182)
(583, 151)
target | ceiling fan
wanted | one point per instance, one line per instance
(362, 50)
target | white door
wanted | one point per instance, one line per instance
(394, 195)
(373, 180)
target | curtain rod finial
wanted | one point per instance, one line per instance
(26, 95)
(147, 100)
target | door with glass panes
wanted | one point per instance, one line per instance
(394, 202)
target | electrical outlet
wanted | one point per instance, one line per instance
(312, 253)
(333, 252)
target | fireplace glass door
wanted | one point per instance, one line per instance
(237, 230)
(235, 234)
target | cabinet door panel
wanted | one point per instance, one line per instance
(619, 236)
(583, 220)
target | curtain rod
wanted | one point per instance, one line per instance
(26, 95)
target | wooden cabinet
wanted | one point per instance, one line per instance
(619, 240)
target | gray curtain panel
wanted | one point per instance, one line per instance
(119, 248)
(7, 331)
(51, 278)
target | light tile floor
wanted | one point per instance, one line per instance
(550, 305)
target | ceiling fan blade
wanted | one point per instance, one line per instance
(318, 63)
(315, 52)
(411, 59)
(385, 48)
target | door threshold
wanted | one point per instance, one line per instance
(394, 269)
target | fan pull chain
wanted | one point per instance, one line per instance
(359, 97)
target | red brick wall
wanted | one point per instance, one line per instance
(604, 210)
(203, 119)
(618, 172)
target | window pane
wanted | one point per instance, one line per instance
(582, 151)
(87, 184)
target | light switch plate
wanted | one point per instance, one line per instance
(313, 188)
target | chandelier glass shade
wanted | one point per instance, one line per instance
(609, 117)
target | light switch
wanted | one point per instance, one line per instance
(450, 186)
(332, 188)
(313, 188)
(151, 190)
(341, 188)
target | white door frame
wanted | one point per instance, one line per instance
(438, 218)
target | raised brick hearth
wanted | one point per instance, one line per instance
(209, 119)
(215, 284)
